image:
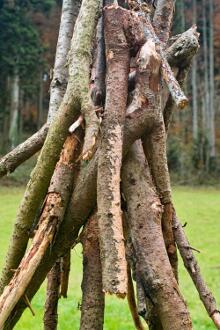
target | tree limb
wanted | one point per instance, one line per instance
(23, 151)
(79, 67)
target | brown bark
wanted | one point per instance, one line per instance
(52, 215)
(132, 302)
(83, 202)
(77, 89)
(65, 272)
(163, 18)
(185, 47)
(152, 264)
(51, 304)
(193, 269)
(98, 89)
(92, 310)
(114, 275)
(23, 151)
(167, 74)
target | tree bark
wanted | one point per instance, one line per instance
(152, 264)
(70, 10)
(193, 269)
(163, 18)
(194, 84)
(14, 109)
(212, 81)
(114, 271)
(84, 198)
(53, 288)
(79, 68)
(24, 151)
(93, 299)
(51, 217)
(65, 272)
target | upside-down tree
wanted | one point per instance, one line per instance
(101, 178)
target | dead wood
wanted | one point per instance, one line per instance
(152, 263)
(84, 198)
(70, 10)
(92, 310)
(51, 304)
(77, 88)
(167, 74)
(132, 302)
(163, 18)
(33, 144)
(23, 151)
(184, 48)
(114, 273)
(65, 264)
(193, 269)
(50, 219)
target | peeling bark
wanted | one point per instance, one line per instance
(53, 288)
(152, 264)
(82, 203)
(167, 74)
(92, 310)
(50, 219)
(114, 274)
(78, 84)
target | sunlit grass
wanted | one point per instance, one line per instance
(200, 208)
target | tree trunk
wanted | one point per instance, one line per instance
(211, 81)
(194, 84)
(14, 110)
(84, 199)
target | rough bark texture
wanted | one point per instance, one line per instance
(152, 264)
(82, 203)
(193, 269)
(23, 151)
(98, 90)
(167, 74)
(70, 10)
(93, 299)
(50, 219)
(53, 288)
(132, 302)
(65, 272)
(114, 273)
(79, 68)
(167, 228)
(163, 18)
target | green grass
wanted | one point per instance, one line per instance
(200, 208)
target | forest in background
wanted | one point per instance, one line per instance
(28, 37)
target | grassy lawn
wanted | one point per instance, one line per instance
(200, 208)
